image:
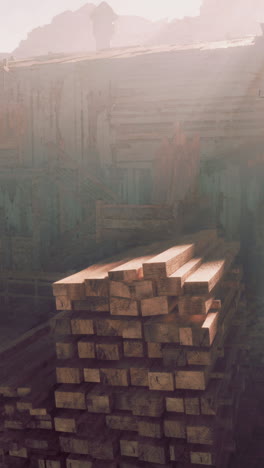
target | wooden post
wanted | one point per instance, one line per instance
(99, 220)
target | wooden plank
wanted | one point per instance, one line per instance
(162, 330)
(97, 281)
(63, 303)
(113, 373)
(91, 281)
(122, 420)
(123, 307)
(201, 432)
(193, 330)
(105, 445)
(179, 452)
(161, 380)
(134, 348)
(210, 272)
(129, 445)
(154, 350)
(192, 378)
(78, 461)
(153, 450)
(175, 427)
(202, 456)
(115, 377)
(61, 324)
(175, 402)
(199, 332)
(74, 444)
(158, 306)
(197, 305)
(72, 396)
(173, 284)
(205, 356)
(100, 400)
(68, 421)
(192, 404)
(139, 372)
(146, 403)
(86, 347)
(20, 453)
(136, 290)
(69, 372)
(91, 372)
(132, 269)
(129, 271)
(66, 347)
(97, 287)
(150, 427)
(41, 440)
(72, 287)
(129, 328)
(205, 278)
(82, 324)
(166, 263)
(123, 398)
(109, 349)
(92, 304)
(174, 356)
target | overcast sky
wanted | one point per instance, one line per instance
(18, 17)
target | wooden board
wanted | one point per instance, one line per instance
(173, 284)
(158, 306)
(69, 372)
(72, 396)
(128, 328)
(194, 330)
(66, 347)
(203, 280)
(161, 380)
(129, 445)
(134, 348)
(136, 290)
(82, 324)
(130, 271)
(100, 400)
(192, 378)
(92, 304)
(166, 263)
(198, 305)
(121, 306)
(91, 281)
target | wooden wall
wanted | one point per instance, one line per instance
(74, 131)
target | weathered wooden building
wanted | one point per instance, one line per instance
(75, 130)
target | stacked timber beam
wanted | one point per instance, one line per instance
(27, 380)
(147, 361)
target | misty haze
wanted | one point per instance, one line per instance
(132, 234)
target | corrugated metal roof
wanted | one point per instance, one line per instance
(129, 52)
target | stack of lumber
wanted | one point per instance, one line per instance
(27, 380)
(148, 361)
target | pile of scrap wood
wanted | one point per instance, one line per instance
(148, 364)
